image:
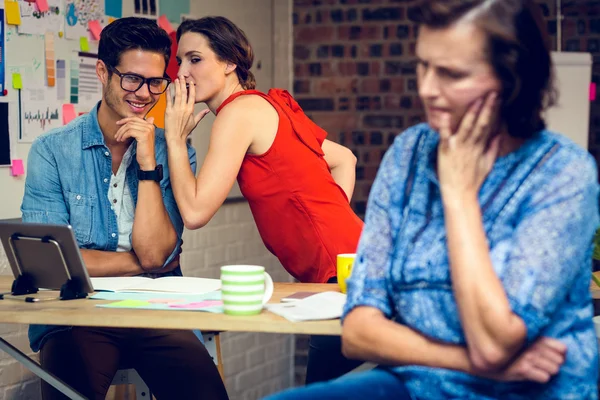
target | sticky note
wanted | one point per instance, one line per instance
(164, 23)
(13, 13)
(198, 304)
(95, 28)
(111, 20)
(130, 303)
(42, 5)
(17, 83)
(592, 91)
(84, 45)
(69, 113)
(17, 167)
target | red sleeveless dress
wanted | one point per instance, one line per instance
(302, 215)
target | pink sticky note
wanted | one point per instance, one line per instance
(198, 304)
(592, 91)
(95, 28)
(17, 168)
(69, 113)
(42, 5)
(164, 23)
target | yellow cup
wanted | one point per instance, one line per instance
(344, 269)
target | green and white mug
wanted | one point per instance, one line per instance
(245, 289)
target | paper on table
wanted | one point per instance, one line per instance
(211, 306)
(173, 284)
(321, 306)
(164, 297)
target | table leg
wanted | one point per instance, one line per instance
(39, 371)
(212, 342)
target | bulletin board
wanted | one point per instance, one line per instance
(52, 50)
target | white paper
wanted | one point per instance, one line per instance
(320, 306)
(77, 15)
(36, 23)
(90, 88)
(171, 284)
(40, 112)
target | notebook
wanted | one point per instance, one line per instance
(170, 284)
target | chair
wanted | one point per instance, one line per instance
(129, 376)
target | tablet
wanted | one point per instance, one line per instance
(47, 254)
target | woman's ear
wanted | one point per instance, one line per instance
(229, 68)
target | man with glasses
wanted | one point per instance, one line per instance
(106, 175)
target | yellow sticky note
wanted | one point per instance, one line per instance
(13, 13)
(129, 304)
(16, 81)
(84, 44)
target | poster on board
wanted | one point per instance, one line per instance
(35, 22)
(77, 15)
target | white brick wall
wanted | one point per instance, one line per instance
(255, 364)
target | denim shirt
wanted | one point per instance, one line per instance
(540, 210)
(69, 171)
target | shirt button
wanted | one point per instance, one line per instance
(115, 201)
(105, 180)
(78, 197)
(106, 153)
(115, 185)
(113, 235)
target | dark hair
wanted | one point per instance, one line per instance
(229, 43)
(518, 49)
(132, 33)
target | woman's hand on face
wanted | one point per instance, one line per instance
(466, 157)
(179, 114)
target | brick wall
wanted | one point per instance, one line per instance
(355, 76)
(255, 364)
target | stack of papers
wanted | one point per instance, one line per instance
(321, 306)
(169, 284)
(209, 302)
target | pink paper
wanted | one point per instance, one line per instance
(592, 91)
(198, 304)
(17, 168)
(164, 23)
(95, 28)
(42, 5)
(69, 113)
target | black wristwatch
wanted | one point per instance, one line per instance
(155, 175)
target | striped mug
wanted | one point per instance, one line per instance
(245, 289)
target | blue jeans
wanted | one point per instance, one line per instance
(376, 384)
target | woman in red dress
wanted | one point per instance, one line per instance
(298, 184)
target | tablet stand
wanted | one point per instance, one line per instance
(24, 283)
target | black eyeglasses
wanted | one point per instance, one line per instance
(133, 82)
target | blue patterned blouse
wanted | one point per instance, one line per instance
(540, 211)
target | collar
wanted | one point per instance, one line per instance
(92, 135)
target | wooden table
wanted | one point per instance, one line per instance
(83, 312)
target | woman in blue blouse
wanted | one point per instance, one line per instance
(473, 269)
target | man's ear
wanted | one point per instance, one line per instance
(102, 72)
